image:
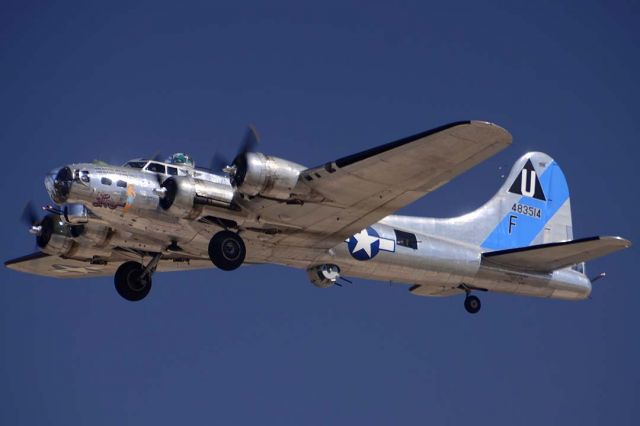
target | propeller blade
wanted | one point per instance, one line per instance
(30, 215)
(250, 140)
(157, 156)
(248, 144)
(159, 178)
(218, 162)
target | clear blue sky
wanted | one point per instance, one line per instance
(260, 345)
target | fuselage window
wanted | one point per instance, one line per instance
(121, 184)
(173, 171)
(105, 181)
(155, 167)
(85, 176)
(406, 239)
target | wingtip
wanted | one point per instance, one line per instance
(623, 242)
(618, 242)
(502, 135)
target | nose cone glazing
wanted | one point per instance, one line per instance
(58, 184)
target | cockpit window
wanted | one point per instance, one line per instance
(136, 164)
(156, 168)
(173, 171)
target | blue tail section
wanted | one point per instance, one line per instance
(533, 205)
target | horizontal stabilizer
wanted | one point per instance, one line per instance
(552, 256)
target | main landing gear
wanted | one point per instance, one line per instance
(471, 303)
(133, 280)
(227, 250)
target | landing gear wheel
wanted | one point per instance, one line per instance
(472, 304)
(130, 284)
(227, 250)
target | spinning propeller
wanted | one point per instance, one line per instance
(30, 215)
(157, 156)
(40, 228)
(249, 143)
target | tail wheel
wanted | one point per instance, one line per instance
(227, 250)
(131, 283)
(472, 304)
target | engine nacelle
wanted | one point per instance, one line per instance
(76, 214)
(271, 177)
(324, 276)
(93, 234)
(58, 235)
(55, 236)
(185, 196)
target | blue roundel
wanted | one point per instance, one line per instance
(364, 245)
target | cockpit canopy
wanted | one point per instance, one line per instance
(178, 159)
(178, 164)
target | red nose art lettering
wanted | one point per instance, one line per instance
(104, 200)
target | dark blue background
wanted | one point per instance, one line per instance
(260, 345)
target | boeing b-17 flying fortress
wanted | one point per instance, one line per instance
(334, 220)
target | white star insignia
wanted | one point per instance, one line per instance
(364, 241)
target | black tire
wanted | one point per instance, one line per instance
(129, 282)
(472, 304)
(227, 250)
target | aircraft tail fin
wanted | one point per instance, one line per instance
(551, 256)
(532, 207)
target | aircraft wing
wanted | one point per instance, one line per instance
(551, 256)
(55, 266)
(356, 191)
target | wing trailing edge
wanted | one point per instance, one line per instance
(552, 256)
